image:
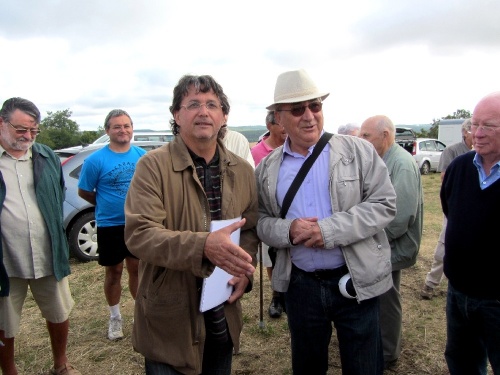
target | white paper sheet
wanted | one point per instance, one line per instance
(215, 289)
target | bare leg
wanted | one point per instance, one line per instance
(133, 275)
(112, 284)
(7, 355)
(58, 333)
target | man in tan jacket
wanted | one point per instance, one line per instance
(175, 194)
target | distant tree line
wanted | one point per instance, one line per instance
(59, 131)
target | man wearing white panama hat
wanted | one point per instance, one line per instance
(334, 227)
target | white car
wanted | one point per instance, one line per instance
(140, 135)
(427, 153)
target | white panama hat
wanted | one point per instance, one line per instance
(295, 86)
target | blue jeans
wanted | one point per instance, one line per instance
(473, 334)
(217, 360)
(312, 305)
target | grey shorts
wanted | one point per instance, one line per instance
(52, 297)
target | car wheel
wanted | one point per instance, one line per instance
(82, 238)
(425, 168)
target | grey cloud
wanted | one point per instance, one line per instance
(450, 26)
(83, 23)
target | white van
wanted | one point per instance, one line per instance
(450, 130)
(157, 136)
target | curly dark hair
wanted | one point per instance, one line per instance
(204, 83)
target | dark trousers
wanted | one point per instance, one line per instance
(473, 334)
(217, 360)
(312, 306)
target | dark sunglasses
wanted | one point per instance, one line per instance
(314, 107)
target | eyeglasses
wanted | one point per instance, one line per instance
(195, 106)
(487, 129)
(20, 130)
(120, 127)
(315, 107)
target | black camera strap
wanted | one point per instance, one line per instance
(303, 171)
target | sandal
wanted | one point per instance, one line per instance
(66, 369)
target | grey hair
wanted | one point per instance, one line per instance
(270, 118)
(466, 125)
(115, 113)
(348, 128)
(24, 105)
(385, 123)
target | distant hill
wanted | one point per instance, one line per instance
(252, 132)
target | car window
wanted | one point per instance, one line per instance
(156, 138)
(102, 139)
(430, 146)
(75, 173)
(440, 146)
(140, 136)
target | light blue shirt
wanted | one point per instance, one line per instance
(485, 181)
(312, 200)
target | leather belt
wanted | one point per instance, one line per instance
(326, 274)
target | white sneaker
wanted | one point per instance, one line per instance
(115, 329)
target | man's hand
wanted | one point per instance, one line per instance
(239, 286)
(225, 254)
(307, 232)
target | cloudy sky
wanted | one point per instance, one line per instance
(412, 60)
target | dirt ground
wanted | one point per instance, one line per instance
(265, 342)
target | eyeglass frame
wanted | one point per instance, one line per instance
(198, 105)
(302, 109)
(487, 129)
(21, 130)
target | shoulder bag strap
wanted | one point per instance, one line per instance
(297, 181)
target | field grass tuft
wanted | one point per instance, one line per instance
(265, 345)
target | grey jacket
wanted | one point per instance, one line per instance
(363, 203)
(405, 231)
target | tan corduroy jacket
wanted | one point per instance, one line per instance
(167, 223)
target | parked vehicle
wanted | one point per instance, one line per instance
(79, 215)
(405, 137)
(139, 135)
(450, 130)
(427, 153)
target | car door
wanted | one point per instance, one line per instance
(440, 146)
(433, 153)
